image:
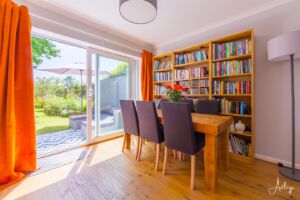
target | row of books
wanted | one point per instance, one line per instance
(229, 49)
(158, 89)
(184, 84)
(182, 74)
(199, 72)
(183, 58)
(200, 83)
(162, 64)
(234, 107)
(239, 146)
(195, 91)
(231, 87)
(233, 67)
(162, 76)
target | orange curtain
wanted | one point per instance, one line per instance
(147, 76)
(17, 126)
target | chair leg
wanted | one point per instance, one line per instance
(138, 148)
(165, 161)
(174, 154)
(157, 157)
(193, 160)
(124, 141)
(140, 143)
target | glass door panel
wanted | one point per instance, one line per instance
(110, 83)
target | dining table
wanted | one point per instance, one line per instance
(216, 152)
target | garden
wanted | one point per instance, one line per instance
(55, 100)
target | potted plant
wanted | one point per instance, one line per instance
(174, 92)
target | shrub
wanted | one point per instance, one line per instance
(64, 113)
(39, 102)
(61, 106)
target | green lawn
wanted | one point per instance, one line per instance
(46, 124)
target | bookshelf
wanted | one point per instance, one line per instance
(220, 69)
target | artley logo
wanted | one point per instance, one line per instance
(280, 188)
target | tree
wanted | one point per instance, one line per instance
(121, 70)
(42, 48)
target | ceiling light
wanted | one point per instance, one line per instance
(138, 11)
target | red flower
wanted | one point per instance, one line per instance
(169, 87)
(177, 87)
(184, 89)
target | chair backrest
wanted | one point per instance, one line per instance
(178, 127)
(130, 118)
(190, 102)
(160, 102)
(208, 107)
(149, 124)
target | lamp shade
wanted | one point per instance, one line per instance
(281, 47)
(138, 11)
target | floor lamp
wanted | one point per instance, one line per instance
(287, 47)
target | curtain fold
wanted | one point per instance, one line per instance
(17, 125)
(147, 76)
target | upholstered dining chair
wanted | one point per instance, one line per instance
(150, 127)
(207, 107)
(179, 134)
(160, 102)
(130, 119)
(188, 101)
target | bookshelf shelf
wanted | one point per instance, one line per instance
(232, 95)
(240, 157)
(160, 82)
(163, 70)
(235, 115)
(198, 95)
(191, 64)
(240, 133)
(205, 60)
(232, 76)
(233, 58)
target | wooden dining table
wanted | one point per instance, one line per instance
(216, 154)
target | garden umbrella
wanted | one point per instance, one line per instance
(72, 69)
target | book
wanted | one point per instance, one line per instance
(199, 72)
(234, 107)
(231, 87)
(239, 146)
(189, 57)
(162, 64)
(230, 49)
(234, 67)
(182, 74)
(162, 76)
(159, 89)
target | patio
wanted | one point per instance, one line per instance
(50, 142)
(76, 135)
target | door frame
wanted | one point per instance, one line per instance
(132, 93)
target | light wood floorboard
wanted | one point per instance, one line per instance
(110, 174)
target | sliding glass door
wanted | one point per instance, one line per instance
(109, 82)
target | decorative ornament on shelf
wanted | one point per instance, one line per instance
(174, 92)
(240, 126)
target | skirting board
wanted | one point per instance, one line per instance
(275, 160)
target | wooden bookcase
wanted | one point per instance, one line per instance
(243, 40)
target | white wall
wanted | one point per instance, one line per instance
(272, 80)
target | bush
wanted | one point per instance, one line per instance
(39, 102)
(59, 106)
(64, 113)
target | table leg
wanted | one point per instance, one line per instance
(128, 141)
(211, 161)
(223, 151)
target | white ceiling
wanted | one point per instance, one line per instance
(176, 19)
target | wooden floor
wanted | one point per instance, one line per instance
(109, 174)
